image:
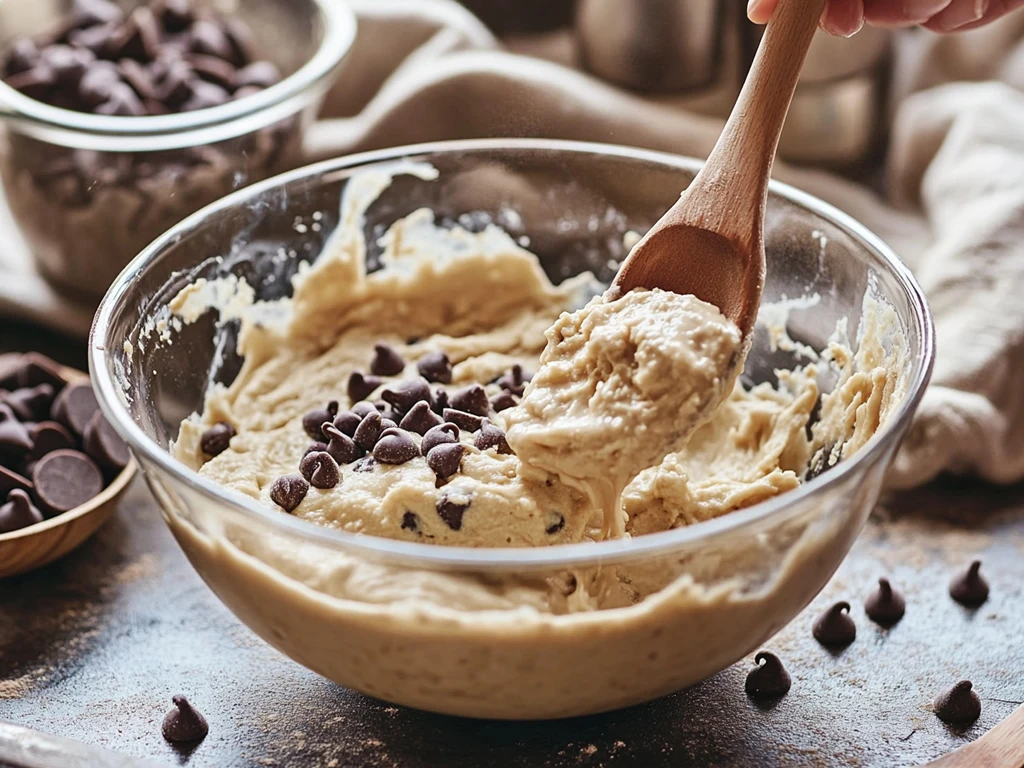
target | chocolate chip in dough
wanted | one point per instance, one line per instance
(320, 470)
(885, 605)
(969, 587)
(439, 435)
(368, 431)
(835, 627)
(74, 407)
(30, 403)
(313, 421)
(768, 680)
(491, 437)
(445, 459)
(317, 446)
(361, 387)
(451, 511)
(216, 439)
(395, 446)
(49, 436)
(288, 491)
(184, 723)
(263, 74)
(65, 479)
(386, 361)
(514, 380)
(472, 399)
(410, 522)
(435, 367)
(364, 409)
(467, 421)
(347, 422)
(12, 481)
(18, 512)
(403, 395)
(555, 524)
(503, 401)
(960, 705)
(365, 464)
(105, 446)
(342, 448)
(420, 419)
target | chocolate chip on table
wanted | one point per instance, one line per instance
(451, 511)
(768, 680)
(365, 464)
(65, 479)
(420, 419)
(262, 74)
(835, 627)
(395, 446)
(18, 512)
(75, 407)
(439, 435)
(435, 367)
(514, 380)
(467, 421)
(472, 399)
(969, 587)
(885, 605)
(320, 470)
(386, 361)
(361, 387)
(30, 403)
(503, 401)
(288, 491)
(217, 439)
(491, 437)
(314, 420)
(403, 395)
(184, 723)
(347, 422)
(49, 436)
(342, 448)
(445, 459)
(12, 481)
(368, 431)
(960, 705)
(410, 522)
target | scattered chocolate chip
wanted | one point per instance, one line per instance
(74, 407)
(363, 409)
(514, 380)
(262, 74)
(472, 399)
(11, 481)
(365, 464)
(361, 387)
(49, 436)
(18, 512)
(467, 421)
(435, 367)
(491, 437)
(347, 422)
(208, 37)
(410, 522)
(420, 419)
(184, 723)
(317, 446)
(65, 479)
(15, 440)
(30, 404)
(959, 705)
(439, 400)
(557, 524)
(503, 401)
(289, 491)
(314, 420)
(342, 448)
(439, 435)
(395, 446)
(445, 459)
(216, 439)
(403, 395)
(835, 627)
(368, 431)
(386, 361)
(969, 587)
(768, 680)
(451, 511)
(885, 605)
(320, 470)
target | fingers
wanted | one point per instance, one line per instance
(843, 17)
(904, 13)
(960, 19)
(759, 11)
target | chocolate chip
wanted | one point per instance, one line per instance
(410, 522)
(439, 435)
(38, 369)
(320, 470)
(363, 409)
(959, 705)
(75, 407)
(463, 420)
(445, 459)
(503, 401)
(491, 437)
(97, 84)
(205, 95)
(835, 628)
(11, 480)
(177, 84)
(24, 55)
(885, 605)
(139, 78)
(30, 403)
(176, 15)
(184, 723)
(395, 446)
(969, 587)
(11, 366)
(451, 511)
(211, 68)
(386, 361)
(208, 37)
(15, 440)
(368, 431)
(96, 39)
(288, 491)
(439, 400)
(242, 43)
(557, 524)
(768, 680)
(387, 412)
(263, 74)
(138, 38)
(472, 399)
(314, 420)
(65, 479)
(49, 436)
(317, 446)
(216, 439)
(347, 422)
(361, 387)
(403, 395)
(341, 447)
(36, 83)
(249, 90)
(435, 367)
(18, 512)
(514, 380)
(420, 419)
(365, 464)
(122, 102)
(88, 13)
(67, 64)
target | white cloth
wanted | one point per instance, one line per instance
(954, 208)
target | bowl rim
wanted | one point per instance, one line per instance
(35, 117)
(433, 556)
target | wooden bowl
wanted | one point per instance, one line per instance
(42, 543)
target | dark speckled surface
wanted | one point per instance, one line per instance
(93, 647)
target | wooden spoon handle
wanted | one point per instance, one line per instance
(1002, 747)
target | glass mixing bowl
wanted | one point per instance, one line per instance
(452, 629)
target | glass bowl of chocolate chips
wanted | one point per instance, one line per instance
(121, 118)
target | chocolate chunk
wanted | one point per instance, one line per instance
(514, 380)
(410, 522)
(403, 395)
(15, 440)
(768, 680)
(65, 479)
(49, 436)
(463, 420)
(24, 55)
(361, 387)
(439, 400)
(386, 361)
(36, 83)
(420, 419)
(451, 511)
(557, 523)
(435, 367)
(320, 470)
(472, 399)
(341, 447)
(18, 512)
(123, 102)
(503, 401)
(214, 70)
(98, 84)
(363, 409)
(74, 407)
(39, 369)
(960, 705)
(491, 437)
(395, 446)
(365, 464)
(347, 422)
(208, 37)
(969, 587)
(242, 43)
(263, 74)
(216, 439)
(445, 459)
(184, 723)
(439, 435)
(368, 431)
(88, 13)
(835, 628)
(205, 95)
(317, 446)
(30, 404)
(11, 480)
(885, 605)
(288, 491)
(176, 15)
(314, 420)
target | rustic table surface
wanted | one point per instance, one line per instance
(93, 647)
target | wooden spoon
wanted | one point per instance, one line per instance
(1002, 747)
(711, 242)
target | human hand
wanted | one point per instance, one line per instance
(844, 17)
